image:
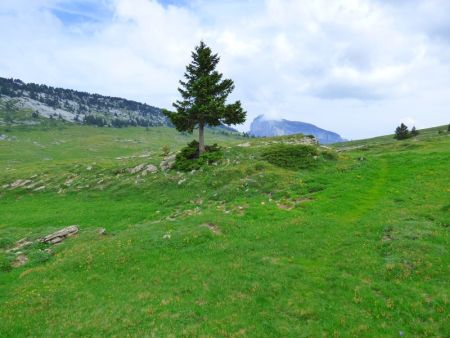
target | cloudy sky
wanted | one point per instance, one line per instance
(357, 67)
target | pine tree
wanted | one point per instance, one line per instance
(402, 132)
(414, 131)
(448, 128)
(204, 95)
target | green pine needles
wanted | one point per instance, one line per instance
(204, 93)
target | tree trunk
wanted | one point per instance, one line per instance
(201, 138)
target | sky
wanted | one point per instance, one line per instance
(356, 67)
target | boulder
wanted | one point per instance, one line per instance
(150, 169)
(168, 162)
(60, 235)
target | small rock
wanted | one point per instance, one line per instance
(19, 261)
(69, 181)
(150, 168)
(244, 145)
(89, 168)
(101, 231)
(166, 236)
(168, 162)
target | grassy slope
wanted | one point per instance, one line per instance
(349, 248)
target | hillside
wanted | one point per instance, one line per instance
(30, 103)
(265, 127)
(76, 106)
(356, 244)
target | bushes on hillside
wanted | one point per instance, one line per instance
(189, 157)
(402, 132)
(291, 156)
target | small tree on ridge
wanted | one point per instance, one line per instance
(402, 132)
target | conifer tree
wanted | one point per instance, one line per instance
(402, 132)
(204, 95)
(414, 131)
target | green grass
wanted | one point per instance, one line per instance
(356, 246)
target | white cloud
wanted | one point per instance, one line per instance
(353, 66)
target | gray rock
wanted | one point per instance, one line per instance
(136, 169)
(168, 162)
(101, 231)
(150, 169)
(60, 235)
(19, 261)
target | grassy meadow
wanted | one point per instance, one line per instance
(353, 246)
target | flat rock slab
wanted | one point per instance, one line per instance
(60, 235)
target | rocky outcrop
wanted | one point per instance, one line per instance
(60, 235)
(168, 162)
(144, 169)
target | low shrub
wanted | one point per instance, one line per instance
(291, 156)
(39, 256)
(5, 242)
(329, 154)
(189, 159)
(5, 264)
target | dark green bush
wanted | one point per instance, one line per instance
(5, 264)
(291, 156)
(5, 242)
(188, 158)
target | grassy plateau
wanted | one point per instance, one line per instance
(355, 244)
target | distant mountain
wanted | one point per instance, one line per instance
(264, 127)
(82, 107)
